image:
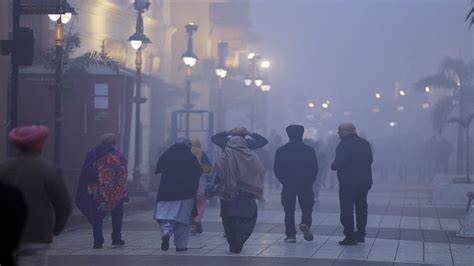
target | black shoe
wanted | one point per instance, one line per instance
(290, 239)
(359, 237)
(235, 250)
(97, 245)
(119, 242)
(165, 242)
(308, 235)
(181, 249)
(348, 242)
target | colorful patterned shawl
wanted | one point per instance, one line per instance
(102, 184)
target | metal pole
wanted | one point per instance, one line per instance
(137, 186)
(188, 100)
(58, 112)
(220, 107)
(13, 90)
(468, 174)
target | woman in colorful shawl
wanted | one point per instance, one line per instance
(241, 172)
(201, 195)
(180, 172)
(102, 188)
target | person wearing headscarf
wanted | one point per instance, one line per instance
(353, 164)
(201, 195)
(45, 192)
(102, 188)
(180, 173)
(254, 140)
(241, 172)
(296, 167)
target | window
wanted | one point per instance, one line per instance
(101, 96)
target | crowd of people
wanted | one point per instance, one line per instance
(188, 178)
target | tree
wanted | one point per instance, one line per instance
(470, 16)
(74, 66)
(456, 76)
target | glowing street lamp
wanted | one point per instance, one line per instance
(250, 55)
(378, 95)
(266, 87)
(311, 105)
(427, 89)
(258, 82)
(402, 92)
(325, 105)
(248, 81)
(265, 64)
(221, 73)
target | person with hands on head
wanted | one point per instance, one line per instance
(254, 140)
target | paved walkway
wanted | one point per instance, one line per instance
(404, 228)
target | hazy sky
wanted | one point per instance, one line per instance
(346, 50)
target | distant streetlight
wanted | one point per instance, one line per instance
(189, 59)
(427, 89)
(376, 110)
(425, 106)
(325, 105)
(251, 56)
(393, 124)
(221, 73)
(378, 96)
(248, 81)
(265, 64)
(311, 105)
(400, 108)
(258, 82)
(266, 87)
(402, 92)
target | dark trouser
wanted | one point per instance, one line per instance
(117, 219)
(305, 199)
(350, 196)
(238, 230)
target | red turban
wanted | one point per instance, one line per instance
(29, 137)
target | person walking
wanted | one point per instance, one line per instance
(241, 173)
(102, 188)
(296, 167)
(203, 159)
(254, 140)
(353, 164)
(45, 192)
(180, 173)
(12, 226)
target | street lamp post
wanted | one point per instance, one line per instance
(138, 42)
(221, 73)
(189, 59)
(254, 81)
(58, 107)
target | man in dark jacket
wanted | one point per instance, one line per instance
(255, 141)
(296, 166)
(353, 164)
(43, 187)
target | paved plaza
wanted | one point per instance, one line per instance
(404, 228)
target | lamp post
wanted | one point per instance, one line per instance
(221, 73)
(138, 41)
(254, 81)
(58, 107)
(189, 59)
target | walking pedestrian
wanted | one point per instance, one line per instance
(254, 140)
(353, 164)
(179, 182)
(241, 172)
(12, 226)
(45, 192)
(203, 159)
(102, 189)
(296, 167)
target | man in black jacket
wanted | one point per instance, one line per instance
(353, 164)
(255, 141)
(296, 167)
